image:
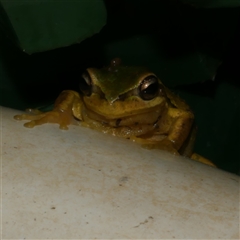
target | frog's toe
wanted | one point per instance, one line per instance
(62, 125)
(168, 146)
(30, 124)
(61, 118)
(26, 117)
(33, 111)
(18, 117)
(202, 159)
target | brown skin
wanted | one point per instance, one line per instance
(127, 102)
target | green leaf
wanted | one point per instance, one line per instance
(43, 25)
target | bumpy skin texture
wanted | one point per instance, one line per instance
(164, 122)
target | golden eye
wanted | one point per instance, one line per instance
(85, 84)
(149, 88)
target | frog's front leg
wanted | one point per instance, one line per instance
(181, 126)
(173, 129)
(180, 131)
(67, 105)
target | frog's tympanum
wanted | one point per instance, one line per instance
(125, 101)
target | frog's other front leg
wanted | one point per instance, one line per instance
(181, 130)
(181, 126)
(62, 112)
(172, 130)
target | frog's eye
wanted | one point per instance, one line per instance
(149, 88)
(85, 84)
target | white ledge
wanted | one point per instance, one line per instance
(81, 183)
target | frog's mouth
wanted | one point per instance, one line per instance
(128, 126)
(119, 109)
(123, 123)
(149, 117)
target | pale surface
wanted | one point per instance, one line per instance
(84, 184)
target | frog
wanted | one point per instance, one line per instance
(125, 101)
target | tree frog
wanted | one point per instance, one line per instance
(125, 101)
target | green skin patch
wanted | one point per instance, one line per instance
(118, 80)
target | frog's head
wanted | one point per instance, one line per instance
(119, 91)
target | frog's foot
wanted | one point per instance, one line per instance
(63, 118)
(62, 113)
(165, 144)
(202, 159)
